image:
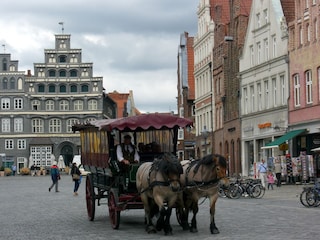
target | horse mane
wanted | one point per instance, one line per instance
(207, 160)
(167, 163)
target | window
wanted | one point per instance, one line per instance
(18, 103)
(92, 105)
(5, 83)
(308, 33)
(245, 95)
(259, 53)
(12, 83)
(4, 64)
(266, 96)
(35, 105)
(296, 84)
(180, 134)
(300, 36)
(251, 56)
(63, 89)
(52, 73)
(283, 90)
(50, 105)
(73, 73)
(18, 124)
(21, 144)
(84, 88)
(274, 89)
(259, 92)
(266, 49)
(9, 144)
(252, 98)
(37, 125)
(62, 73)
(78, 105)
(308, 86)
(5, 124)
(41, 88)
(70, 123)
(5, 103)
(258, 20)
(73, 88)
(315, 31)
(265, 16)
(52, 88)
(64, 105)
(274, 46)
(41, 155)
(55, 125)
(62, 59)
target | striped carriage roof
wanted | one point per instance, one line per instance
(139, 122)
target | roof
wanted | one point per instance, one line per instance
(140, 122)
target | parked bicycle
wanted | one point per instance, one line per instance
(310, 196)
(243, 187)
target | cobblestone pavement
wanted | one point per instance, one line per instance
(29, 211)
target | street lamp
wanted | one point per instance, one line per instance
(205, 134)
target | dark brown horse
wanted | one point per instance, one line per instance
(158, 183)
(201, 178)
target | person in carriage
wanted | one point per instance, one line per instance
(127, 154)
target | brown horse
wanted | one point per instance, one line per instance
(201, 178)
(158, 183)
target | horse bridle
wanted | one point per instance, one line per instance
(199, 183)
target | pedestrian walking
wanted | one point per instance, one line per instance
(14, 169)
(55, 176)
(262, 172)
(76, 177)
(270, 179)
(278, 170)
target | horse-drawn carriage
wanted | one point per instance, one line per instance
(155, 134)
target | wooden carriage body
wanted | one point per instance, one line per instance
(152, 134)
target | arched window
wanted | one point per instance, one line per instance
(63, 88)
(5, 83)
(84, 88)
(55, 125)
(62, 73)
(12, 83)
(73, 88)
(73, 73)
(62, 59)
(40, 88)
(52, 88)
(49, 105)
(52, 73)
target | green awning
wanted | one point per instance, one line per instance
(284, 138)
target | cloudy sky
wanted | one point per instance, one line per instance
(133, 44)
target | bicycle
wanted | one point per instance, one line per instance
(310, 196)
(248, 187)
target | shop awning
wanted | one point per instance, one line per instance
(316, 149)
(284, 138)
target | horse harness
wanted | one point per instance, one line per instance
(198, 184)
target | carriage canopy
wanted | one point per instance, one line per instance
(138, 123)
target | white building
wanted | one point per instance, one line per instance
(264, 82)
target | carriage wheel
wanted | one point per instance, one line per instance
(114, 214)
(90, 197)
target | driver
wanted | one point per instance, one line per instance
(127, 152)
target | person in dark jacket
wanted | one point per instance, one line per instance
(76, 177)
(55, 176)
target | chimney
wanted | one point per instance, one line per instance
(29, 73)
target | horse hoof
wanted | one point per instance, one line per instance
(215, 231)
(193, 230)
(151, 229)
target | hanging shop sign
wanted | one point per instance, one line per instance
(283, 147)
